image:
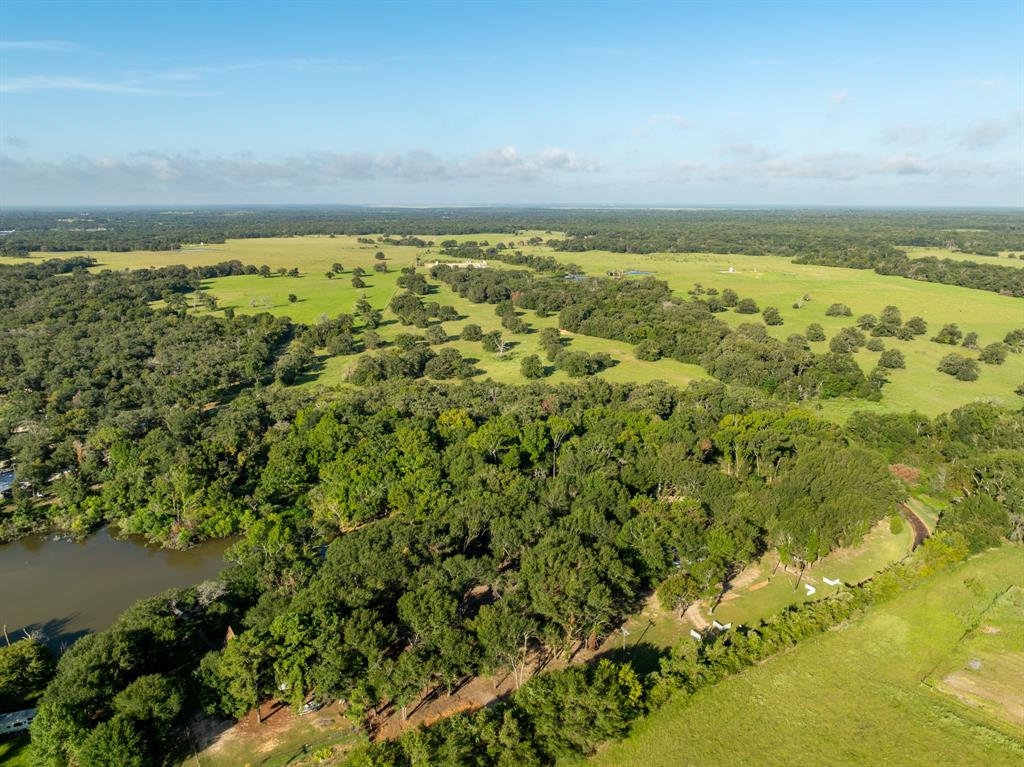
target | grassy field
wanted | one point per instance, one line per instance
(771, 281)
(986, 670)
(14, 751)
(854, 696)
(776, 588)
(1003, 259)
(281, 739)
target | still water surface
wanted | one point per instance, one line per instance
(68, 589)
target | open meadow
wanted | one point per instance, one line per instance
(855, 695)
(769, 280)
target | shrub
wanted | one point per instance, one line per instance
(980, 519)
(649, 350)
(746, 306)
(472, 332)
(531, 367)
(435, 335)
(962, 368)
(867, 321)
(771, 316)
(895, 524)
(994, 354)
(846, 341)
(815, 332)
(892, 358)
(838, 310)
(950, 334)
(875, 345)
(917, 326)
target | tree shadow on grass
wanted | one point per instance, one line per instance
(643, 656)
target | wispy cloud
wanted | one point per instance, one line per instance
(16, 141)
(751, 163)
(986, 134)
(119, 87)
(153, 169)
(154, 83)
(837, 98)
(980, 83)
(675, 121)
(38, 45)
(906, 134)
(196, 73)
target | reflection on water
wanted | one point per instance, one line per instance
(67, 589)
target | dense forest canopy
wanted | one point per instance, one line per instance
(397, 537)
(752, 231)
(411, 536)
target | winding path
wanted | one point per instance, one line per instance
(921, 531)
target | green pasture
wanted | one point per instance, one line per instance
(1003, 259)
(854, 696)
(776, 281)
(986, 670)
(778, 587)
(769, 280)
(765, 588)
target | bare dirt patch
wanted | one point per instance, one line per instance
(908, 474)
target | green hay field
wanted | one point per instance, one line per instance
(854, 696)
(986, 670)
(771, 281)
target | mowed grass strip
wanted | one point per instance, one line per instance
(853, 696)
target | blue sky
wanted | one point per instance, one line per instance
(523, 103)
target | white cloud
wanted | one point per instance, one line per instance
(985, 134)
(980, 83)
(119, 87)
(156, 170)
(675, 121)
(837, 98)
(37, 45)
(902, 165)
(906, 134)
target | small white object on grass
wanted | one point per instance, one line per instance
(810, 589)
(696, 634)
(832, 581)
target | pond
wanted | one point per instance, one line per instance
(67, 589)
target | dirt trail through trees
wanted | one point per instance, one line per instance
(920, 528)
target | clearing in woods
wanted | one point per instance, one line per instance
(770, 280)
(855, 695)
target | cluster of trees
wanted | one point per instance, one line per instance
(475, 251)
(859, 235)
(411, 309)
(1007, 280)
(468, 529)
(565, 715)
(413, 535)
(92, 375)
(26, 667)
(644, 312)
(411, 357)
